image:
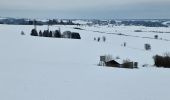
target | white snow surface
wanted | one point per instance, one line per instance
(82, 22)
(39, 68)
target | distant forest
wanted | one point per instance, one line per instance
(147, 23)
(14, 21)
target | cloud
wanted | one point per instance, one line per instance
(68, 4)
(86, 8)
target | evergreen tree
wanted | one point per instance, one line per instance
(45, 33)
(57, 34)
(40, 33)
(50, 34)
(61, 22)
(98, 39)
(34, 32)
(75, 35)
(55, 21)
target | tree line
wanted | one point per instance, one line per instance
(55, 34)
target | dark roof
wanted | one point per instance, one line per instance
(113, 62)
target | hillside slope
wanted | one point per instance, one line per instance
(39, 68)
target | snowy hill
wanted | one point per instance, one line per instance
(40, 68)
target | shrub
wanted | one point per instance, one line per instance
(124, 44)
(94, 39)
(98, 39)
(22, 33)
(137, 30)
(78, 28)
(147, 47)
(156, 36)
(145, 65)
(104, 38)
(162, 61)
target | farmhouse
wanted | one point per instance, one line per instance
(109, 62)
(112, 63)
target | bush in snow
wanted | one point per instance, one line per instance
(104, 38)
(94, 39)
(162, 61)
(156, 36)
(22, 33)
(98, 39)
(147, 47)
(145, 65)
(124, 44)
(137, 30)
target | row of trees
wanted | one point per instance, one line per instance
(37, 22)
(46, 33)
(61, 22)
(55, 34)
(144, 23)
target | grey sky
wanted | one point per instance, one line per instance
(85, 8)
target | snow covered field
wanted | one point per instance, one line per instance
(40, 68)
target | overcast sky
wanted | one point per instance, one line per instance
(103, 9)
